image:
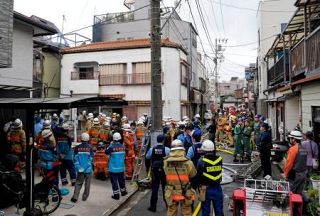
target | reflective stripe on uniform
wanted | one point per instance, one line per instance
(176, 177)
(177, 197)
(212, 162)
(214, 178)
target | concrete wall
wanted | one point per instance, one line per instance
(21, 72)
(310, 96)
(172, 91)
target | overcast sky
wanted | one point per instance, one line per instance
(238, 23)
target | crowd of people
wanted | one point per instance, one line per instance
(183, 160)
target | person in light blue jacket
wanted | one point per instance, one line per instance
(117, 166)
(83, 160)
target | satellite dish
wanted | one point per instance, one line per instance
(129, 3)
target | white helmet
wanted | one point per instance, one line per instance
(197, 116)
(96, 121)
(106, 124)
(103, 116)
(126, 127)
(46, 124)
(140, 122)
(85, 137)
(90, 115)
(145, 114)
(184, 118)
(17, 123)
(65, 126)
(116, 137)
(207, 145)
(295, 134)
(124, 118)
(177, 144)
(46, 133)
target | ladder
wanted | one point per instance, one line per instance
(141, 157)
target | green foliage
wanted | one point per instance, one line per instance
(313, 204)
(315, 176)
(312, 193)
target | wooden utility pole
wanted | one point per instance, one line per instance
(156, 91)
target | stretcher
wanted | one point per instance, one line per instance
(266, 198)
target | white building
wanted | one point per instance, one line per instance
(226, 88)
(269, 23)
(122, 69)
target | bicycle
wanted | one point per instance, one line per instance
(47, 196)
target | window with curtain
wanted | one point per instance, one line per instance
(141, 72)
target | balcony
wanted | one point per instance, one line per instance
(125, 79)
(85, 75)
(276, 72)
(313, 51)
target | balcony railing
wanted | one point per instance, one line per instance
(297, 64)
(313, 51)
(276, 72)
(85, 75)
(125, 79)
(114, 18)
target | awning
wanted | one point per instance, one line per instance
(58, 103)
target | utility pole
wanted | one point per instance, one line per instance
(156, 91)
(218, 56)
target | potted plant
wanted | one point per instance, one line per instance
(315, 179)
(313, 203)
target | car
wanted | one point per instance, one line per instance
(279, 149)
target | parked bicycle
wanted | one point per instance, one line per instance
(47, 196)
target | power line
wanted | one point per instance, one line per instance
(195, 25)
(204, 25)
(222, 20)
(250, 43)
(250, 9)
(85, 27)
(174, 10)
(214, 16)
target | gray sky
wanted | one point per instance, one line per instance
(239, 24)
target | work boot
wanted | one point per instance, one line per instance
(74, 200)
(124, 193)
(152, 209)
(115, 196)
(235, 159)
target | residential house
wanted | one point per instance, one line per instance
(293, 93)
(227, 88)
(269, 24)
(122, 69)
(135, 24)
(16, 80)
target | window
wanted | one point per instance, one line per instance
(86, 73)
(184, 74)
(85, 70)
(113, 74)
(141, 72)
(37, 68)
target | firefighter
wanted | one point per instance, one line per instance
(179, 170)
(173, 129)
(156, 154)
(194, 153)
(94, 133)
(247, 130)
(16, 138)
(89, 121)
(105, 133)
(146, 119)
(256, 129)
(124, 120)
(47, 149)
(185, 138)
(117, 166)
(295, 168)
(65, 155)
(221, 135)
(140, 131)
(83, 163)
(209, 177)
(238, 138)
(129, 143)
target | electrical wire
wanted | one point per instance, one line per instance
(250, 43)
(105, 21)
(204, 25)
(174, 10)
(251, 9)
(222, 20)
(214, 16)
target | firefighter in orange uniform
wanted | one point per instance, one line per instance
(179, 170)
(105, 133)
(89, 121)
(94, 133)
(16, 139)
(129, 143)
(140, 130)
